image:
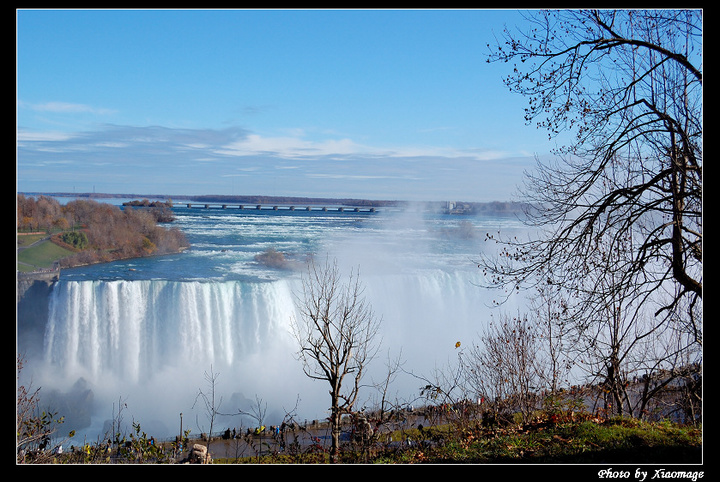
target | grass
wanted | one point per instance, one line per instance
(40, 256)
(25, 240)
(589, 441)
(586, 441)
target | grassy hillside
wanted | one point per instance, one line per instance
(40, 256)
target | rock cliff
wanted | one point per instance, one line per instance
(33, 297)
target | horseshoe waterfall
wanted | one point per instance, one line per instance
(140, 337)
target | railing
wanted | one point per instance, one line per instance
(49, 274)
(340, 209)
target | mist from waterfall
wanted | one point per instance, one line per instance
(145, 332)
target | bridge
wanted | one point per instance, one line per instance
(258, 207)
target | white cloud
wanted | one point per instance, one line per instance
(165, 158)
(66, 107)
(30, 136)
(236, 142)
(290, 147)
(295, 146)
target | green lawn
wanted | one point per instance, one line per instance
(25, 240)
(40, 256)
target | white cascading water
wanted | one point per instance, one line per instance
(133, 329)
(152, 340)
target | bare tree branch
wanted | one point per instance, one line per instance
(336, 333)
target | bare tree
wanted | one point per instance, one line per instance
(625, 88)
(386, 406)
(445, 386)
(627, 85)
(611, 340)
(257, 413)
(550, 313)
(34, 430)
(507, 368)
(212, 406)
(336, 332)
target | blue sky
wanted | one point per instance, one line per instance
(381, 104)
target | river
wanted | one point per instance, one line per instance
(136, 339)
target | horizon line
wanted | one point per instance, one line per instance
(234, 196)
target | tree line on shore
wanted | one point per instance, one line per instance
(105, 231)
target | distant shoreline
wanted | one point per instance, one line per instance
(255, 198)
(508, 207)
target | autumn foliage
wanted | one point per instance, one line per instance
(112, 233)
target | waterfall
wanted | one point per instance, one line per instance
(153, 340)
(133, 329)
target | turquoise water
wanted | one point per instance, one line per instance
(225, 243)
